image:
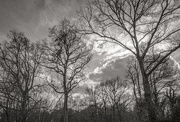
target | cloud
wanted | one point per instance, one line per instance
(34, 17)
(22, 15)
(56, 10)
(109, 61)
(110, 70)
(81, 88)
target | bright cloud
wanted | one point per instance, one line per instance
(110, 70)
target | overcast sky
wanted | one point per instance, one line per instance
(34, 17)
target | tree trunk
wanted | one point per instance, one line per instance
(24, 118)
(147, 95)
(105, 112)
(65, 95)
(66, 107)
(7, 115)
(114, 114)
(150, 106)
(119, 113)
(24, 108)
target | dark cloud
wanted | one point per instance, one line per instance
(40, 4)
(28, 15)
(21, 15)
(111, 70)
(118, 67)
(80, 89)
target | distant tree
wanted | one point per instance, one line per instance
(134, 76)
(176, 112)
(103, 98)
(67, 55)
(92, 93)
(147, 23)
(118, 97)
(19, 71)
(109, 100)
(171, 96)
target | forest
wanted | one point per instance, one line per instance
(39, 80)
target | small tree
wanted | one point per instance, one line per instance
(118, 96)
(92, 93)
(67, 55)
(103, 98)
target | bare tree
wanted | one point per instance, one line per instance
(93, 97)
(103, 98)
(118, 96)
(133, 74)
(147, 23)
(161, 79)
(67, 55)
(20, 68)
(109, 100)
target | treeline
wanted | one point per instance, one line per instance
(74, 116)
(110, 101)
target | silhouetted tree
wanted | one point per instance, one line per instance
(164, 77)
(20, 68)
(118, 97)
(92, 93)
(147, 23)
(67, 55)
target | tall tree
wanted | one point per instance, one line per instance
(67, 55)
(20, 67)
(164, 77)
(147, 23)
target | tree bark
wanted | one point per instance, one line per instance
(7, 115)
(65, 107)
(114, 114)
(105, 112)
(65, 95)
(147, 95)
